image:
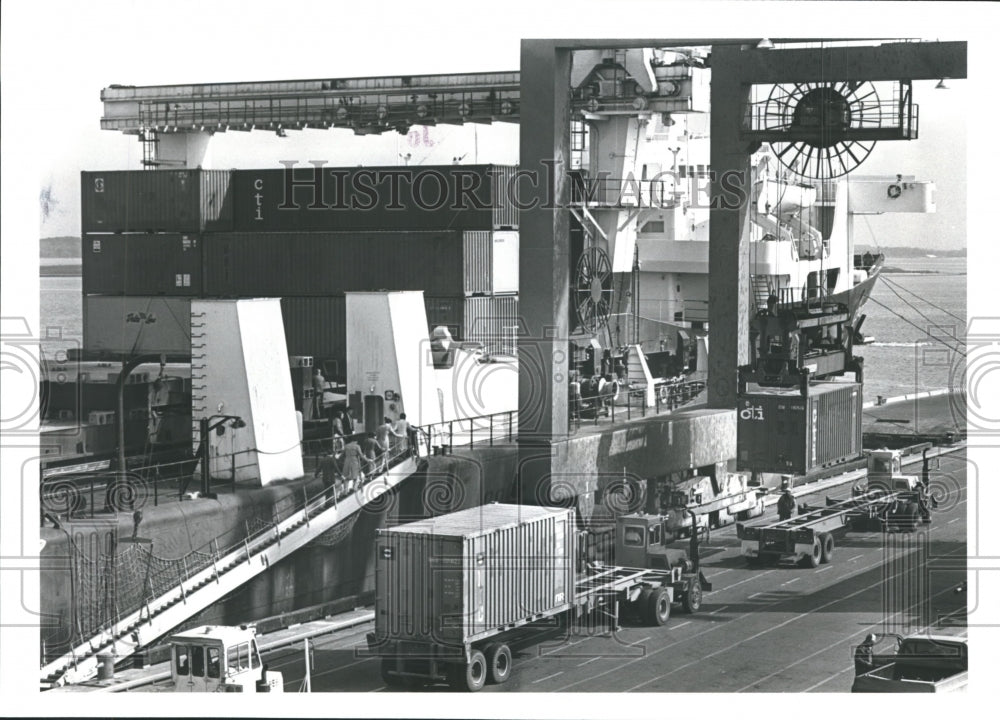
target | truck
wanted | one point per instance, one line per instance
(452, 592)
(921, 663)
(217, 658)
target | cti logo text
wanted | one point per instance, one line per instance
(752, 412)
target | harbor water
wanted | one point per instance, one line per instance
(911, 353)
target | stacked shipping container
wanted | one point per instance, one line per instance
(158, 238)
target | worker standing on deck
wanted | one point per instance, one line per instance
(786, 504)
(319, 386)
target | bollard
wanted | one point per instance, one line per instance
(105, 666)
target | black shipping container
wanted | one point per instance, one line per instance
(184, 201)
(317, 326)
(418, 197)
(780, 431)
(326, 263)
(142, 264)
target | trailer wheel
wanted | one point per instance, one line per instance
(498, 662)
(658, 607)
(812, 559)
(692, 598)
(828, 545)
(469, 676)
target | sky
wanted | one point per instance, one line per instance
(57, 56)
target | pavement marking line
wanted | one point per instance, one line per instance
(824, 569)
(789, 582)
(680, 625)
(952, 520)
(718, 610)
(753, 577)
(852, 559)
(840, 642)
(547, 677)
(751, 597)
(696, 635)
(564, 646)
(636, 642)
(759, 634)
(716, 573)
(587, 662)
(824, 682)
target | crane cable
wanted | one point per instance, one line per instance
(936, 307)
(914, 308)
(907, 320)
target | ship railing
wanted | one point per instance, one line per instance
(491, 429)
(627, 401)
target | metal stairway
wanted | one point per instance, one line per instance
(227, 572)
(760, 287)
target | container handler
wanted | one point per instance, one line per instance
(451, 591)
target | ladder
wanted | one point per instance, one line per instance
(760, 286)
(227, 572)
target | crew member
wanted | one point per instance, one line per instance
(319, 386)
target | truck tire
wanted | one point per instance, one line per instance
(658, 607)
(828, 545)
(498, 662)
(812, 559)
(470, 676)
(692, 598)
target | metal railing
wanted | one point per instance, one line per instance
(159, 591)
(466, 432)
(630, 403)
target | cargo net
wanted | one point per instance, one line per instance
(337, 533)
(113, 577)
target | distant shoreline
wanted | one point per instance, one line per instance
(902, 271)
(75, 270)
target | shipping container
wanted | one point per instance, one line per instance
(491, 321)
(424, 197)
(317, 326)
(456, 578)
(142, 264)
(780, 431)
(251, 264)
(491, 262)
(184, 201)
(135, 325)
(505, 262)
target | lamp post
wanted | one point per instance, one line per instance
(206, 426)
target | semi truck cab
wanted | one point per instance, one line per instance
(214, 658)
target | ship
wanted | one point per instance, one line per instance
(801, 252)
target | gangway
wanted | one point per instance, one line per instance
(227, 571)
